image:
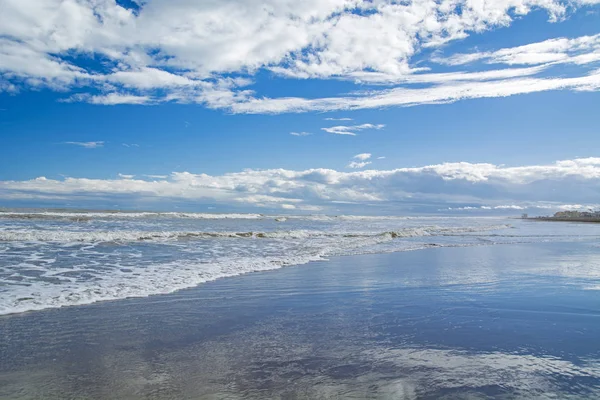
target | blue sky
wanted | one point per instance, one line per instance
(400, 108)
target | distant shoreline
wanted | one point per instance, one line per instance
(589, 220)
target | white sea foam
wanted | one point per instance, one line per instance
(73, 216)
(138, 281)
(89, 215)
(58, 287)
(62, 286)
(46, 263)
(64, 236)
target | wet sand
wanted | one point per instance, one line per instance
(509, 321)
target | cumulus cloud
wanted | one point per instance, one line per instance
(87, 145)
(209, 52)
(352, 129)
(440, 186)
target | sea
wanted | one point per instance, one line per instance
(143, 305)
(60, 258)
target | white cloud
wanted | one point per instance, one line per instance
(362, 156)
(87, 145)
(338, 119)
(526, 207)
(130, 145)
(300, 133)
(113, 99)
(500, 207)
(447, 77)
(381, 158)
(207, 52)
(124, 176)
(445, 93)
(351, 130)
(356, 164)
(149, 78)
(310, 208)
(453, 185)
(580, 50)
(157, 176)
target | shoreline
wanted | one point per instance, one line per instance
(325, 260)
(197, 286)
(552, 219)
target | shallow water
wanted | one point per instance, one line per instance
(510, 321)
(52, 259)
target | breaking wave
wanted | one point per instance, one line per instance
(62, 236)
(88, 216)
(45, 263)
(83, 216)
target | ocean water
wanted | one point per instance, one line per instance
(510, 321)
(51, 259)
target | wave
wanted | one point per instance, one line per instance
(154, 279)
(84, 216)
(63, 236)
(40, 274)
(138, 281)
(87, 216)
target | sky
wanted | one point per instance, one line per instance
(458, 107)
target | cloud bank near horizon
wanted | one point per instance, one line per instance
(459, 186)
(210, 53)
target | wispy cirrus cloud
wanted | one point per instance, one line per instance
(580, 50)
(300, 133)
(156, 176)
(407, 97)
(352, 129)
(87, 145)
